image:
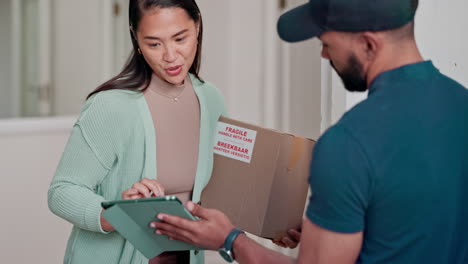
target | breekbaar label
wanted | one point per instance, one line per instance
(235, 142)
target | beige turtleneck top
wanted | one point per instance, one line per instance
(176, 116)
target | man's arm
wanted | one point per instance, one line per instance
(248, 251)
(318, 245)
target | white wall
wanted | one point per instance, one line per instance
(77, 52)
(216, 39)
(29, 153)
(441, 32)
(5, 59)
(303, 110)
(232, 57)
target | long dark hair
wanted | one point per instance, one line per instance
(136, 74)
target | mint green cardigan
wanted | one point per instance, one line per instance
(112, 146)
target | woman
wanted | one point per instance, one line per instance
(147, 131)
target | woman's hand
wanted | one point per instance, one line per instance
(143, 189)
(106, 226)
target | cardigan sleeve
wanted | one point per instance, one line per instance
(89, 155)
(73, 192)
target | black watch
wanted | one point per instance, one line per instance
(226, 250)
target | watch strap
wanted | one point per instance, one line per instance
(229, 242)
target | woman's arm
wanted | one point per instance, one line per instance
(72, 193)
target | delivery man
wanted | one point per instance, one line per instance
(390, 179)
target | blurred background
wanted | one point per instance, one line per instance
(54, 52)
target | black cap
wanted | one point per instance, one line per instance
(318, 16)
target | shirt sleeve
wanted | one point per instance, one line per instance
(340, 183)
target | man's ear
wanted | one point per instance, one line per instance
(370, 43)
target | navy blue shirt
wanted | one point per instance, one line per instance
(396, 167)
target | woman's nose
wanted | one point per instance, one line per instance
(170, 54)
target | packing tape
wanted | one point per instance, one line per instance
(296, 152)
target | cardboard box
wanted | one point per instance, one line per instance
(260, 178)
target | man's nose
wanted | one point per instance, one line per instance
(324, 53)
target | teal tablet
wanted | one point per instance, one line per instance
(131, 218)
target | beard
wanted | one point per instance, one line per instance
(352, 76)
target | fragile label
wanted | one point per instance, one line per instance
(235, 142)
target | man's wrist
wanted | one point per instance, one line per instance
(227, 251)
(237, 244)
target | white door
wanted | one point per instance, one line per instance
(33, 70)
(116, 45)
(122, 44)
(301, 93)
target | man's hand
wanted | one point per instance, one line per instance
(291, 240)
(209, 232)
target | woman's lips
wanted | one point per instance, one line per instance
(173, 71)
